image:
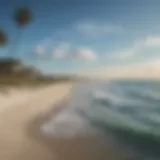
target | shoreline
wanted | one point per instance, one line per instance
(21, 138)
(91, 147)
(14, 96)
(17, 140)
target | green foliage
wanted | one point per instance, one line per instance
(3, 37)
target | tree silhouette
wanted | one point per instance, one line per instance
(22, 17)
(3, 37)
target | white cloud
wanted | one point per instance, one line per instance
(39, 51)
(152, 41)
(146, 69)
(148, 45)
(96, 29)
(152, 64)
(61, 51)
(64, 51)
(124, 54)
(84, 54)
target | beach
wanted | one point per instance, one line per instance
(104, 120)
(21, 137)
(17, 141)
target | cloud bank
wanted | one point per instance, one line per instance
(84, 54)
(147, 69)
(146, 46)
(65, 51)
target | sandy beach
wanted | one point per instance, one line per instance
(19, 114)
(21, 139)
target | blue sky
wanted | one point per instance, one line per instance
(80, 36)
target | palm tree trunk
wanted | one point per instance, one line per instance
(14, 46)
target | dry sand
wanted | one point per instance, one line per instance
(15, 140)
(20, 137)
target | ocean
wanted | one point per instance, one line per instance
(126, 112)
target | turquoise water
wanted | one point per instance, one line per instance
(128, 110)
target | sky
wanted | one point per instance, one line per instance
(86, 37)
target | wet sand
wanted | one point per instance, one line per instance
(21, 139)
(90, 147)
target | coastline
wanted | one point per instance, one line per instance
(21, 138)
(90, 147)
(17, 141)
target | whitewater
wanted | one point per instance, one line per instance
(128, 110)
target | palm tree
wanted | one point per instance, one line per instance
(21, 17)
(3, 41)
(3, 37)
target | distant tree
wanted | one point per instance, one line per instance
(3, 37)
(22, 17)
